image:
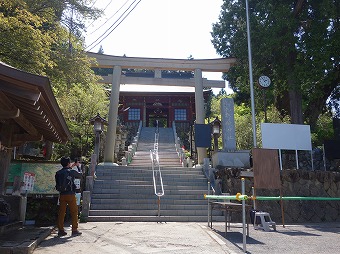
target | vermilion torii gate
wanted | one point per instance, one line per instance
(157, 64)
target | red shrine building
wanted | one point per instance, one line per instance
(165, 105)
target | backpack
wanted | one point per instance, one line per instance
(64, 181)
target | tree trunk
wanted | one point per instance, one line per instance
(316, 106)
(282, 103)
(295, 97)
(295, 105)
(48, 145)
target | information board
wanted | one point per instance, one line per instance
(286, 136)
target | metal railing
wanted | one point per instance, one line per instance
(213, 181)
(179, 149)
(133, 147)
(156, 171)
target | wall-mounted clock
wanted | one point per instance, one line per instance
(264, 81)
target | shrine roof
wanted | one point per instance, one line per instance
(28, 103)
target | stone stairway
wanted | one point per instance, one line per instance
(166, 148)
(126, 193)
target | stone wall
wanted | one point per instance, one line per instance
(294, 183)
(305, 162)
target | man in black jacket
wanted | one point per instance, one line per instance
(68, 198)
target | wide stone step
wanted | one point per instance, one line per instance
(149, 191)
(172, 188)
(153, 218)
(164, 164)
(188, 175)
(147, 179)
(180, 181)
(145, 184)
(128, 168)
(153, 212)
(151, 206)
(153, 200)
(162, 160)
(165, 173)
(142, 196)
(143, 176)
(138, 170)
(166, 182)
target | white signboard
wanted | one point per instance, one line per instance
(29, 181)
(286, 136)
(77, 183)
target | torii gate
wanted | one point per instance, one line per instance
(157, 64)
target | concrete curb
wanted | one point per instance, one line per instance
(23, 241)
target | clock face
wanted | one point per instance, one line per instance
(264, 81)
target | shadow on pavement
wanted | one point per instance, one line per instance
(326, 228)
(297, 233)
(236, 238)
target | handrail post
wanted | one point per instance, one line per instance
(159, 206)
(209, 204)
(244, 216)
(157, 174)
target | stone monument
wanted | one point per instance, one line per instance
(229, 156)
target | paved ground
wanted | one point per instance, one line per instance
(172, 237)
(311, 238)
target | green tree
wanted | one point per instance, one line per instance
(23, 42)
(34, 38)
(70, 13)
(243, 121)
(78, 108)
(295, 43)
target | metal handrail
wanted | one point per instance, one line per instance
(134, 144)
(212, 182)
(179, 149)
(156, 170)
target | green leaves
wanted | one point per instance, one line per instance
(295, 44)
(34, 39)
(23, 42)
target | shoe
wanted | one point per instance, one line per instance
(76, 233)
(62, 233)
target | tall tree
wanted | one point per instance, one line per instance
(78, 108)
(294, 42)
(23, 42)
(34, 38)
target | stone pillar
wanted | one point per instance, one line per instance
(93, 164)
(144, 113)
(89, 183)
(228, 124)
(199, 104)
(23, 208)
(113, 114)
(86, 203)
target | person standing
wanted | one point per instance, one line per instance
(78, 181)
(66, 187)
(77, 167)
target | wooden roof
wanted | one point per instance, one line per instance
(28, 106)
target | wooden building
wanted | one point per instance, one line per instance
(165, 106)
(28, 112)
